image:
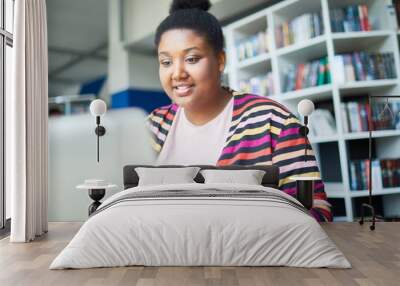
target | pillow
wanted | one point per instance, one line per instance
(163, 176)
(248, 177)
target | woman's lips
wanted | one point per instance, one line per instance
(182, 91)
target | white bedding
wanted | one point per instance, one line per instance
(182, 231)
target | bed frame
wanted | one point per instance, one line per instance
(270, 179)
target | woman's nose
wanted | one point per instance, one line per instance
(179, 71)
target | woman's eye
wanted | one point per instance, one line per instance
(165, 63)
(192, 60)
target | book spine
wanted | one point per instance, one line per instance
(385, 179)
(278, 36)
(321, 72)
(356, 19)
(345, 117)
(361, 18)
(366, 23)
(376, 175)
(286, 36)
(327, 77)
(350, 74)
(363, 172)
(359, 117)
(338, 69)
(350, 19)
(364, 117)
(353, 182)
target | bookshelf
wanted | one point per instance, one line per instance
(70, 104)
(374, 36)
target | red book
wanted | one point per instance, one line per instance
(360, 117)
(299, 76)
(370, 123)
(365, 19)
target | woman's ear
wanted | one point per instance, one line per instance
(221, 61)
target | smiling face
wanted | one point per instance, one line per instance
(189, 69)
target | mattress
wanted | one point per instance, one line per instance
(201, 225)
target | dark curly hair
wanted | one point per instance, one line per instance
(193, 15)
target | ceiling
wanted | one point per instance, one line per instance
(77, 39)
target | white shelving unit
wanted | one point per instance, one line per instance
(67, 102)
(382, 39)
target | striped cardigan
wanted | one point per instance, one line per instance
(262, 132)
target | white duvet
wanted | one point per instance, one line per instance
(183, 231)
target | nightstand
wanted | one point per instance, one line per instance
(96, 190)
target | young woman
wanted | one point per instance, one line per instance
(211, 124)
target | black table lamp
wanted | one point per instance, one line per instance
(305, 185)
(98, 108)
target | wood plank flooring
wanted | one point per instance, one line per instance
(375, 257)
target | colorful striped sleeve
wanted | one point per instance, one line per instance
(288, 154)
(159, 122)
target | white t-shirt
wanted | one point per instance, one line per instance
(189, 144)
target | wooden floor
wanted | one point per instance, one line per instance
(375, 257)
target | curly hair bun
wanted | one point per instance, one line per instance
(189, 4)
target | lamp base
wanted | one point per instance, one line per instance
(96, 195)
(305, 193)
(363, 206)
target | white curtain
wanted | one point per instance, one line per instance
(27, 121)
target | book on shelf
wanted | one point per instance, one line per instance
(361, 66)
(253, 45)
(304, 75)
(261, 84)
(390, 173)
(355, 116)
(322, 123)
(382, 175)
(359, 179)
(299, 29)
(352, 18)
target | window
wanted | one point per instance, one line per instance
(6, 44)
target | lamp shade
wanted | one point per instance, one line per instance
(305, 107)
(98, 107)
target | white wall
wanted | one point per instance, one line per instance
(127, 68)
(118, 57)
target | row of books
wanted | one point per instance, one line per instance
(299, 29)
(385, 173)
(390, 173)
(363, 66)
(262, 84)
(350, 19)
(305, 75)
(355, 116)
(253, 46)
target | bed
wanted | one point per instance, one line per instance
(201, 224)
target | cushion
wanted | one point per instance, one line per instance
(248, 177)
(162, 176)
(270, 179)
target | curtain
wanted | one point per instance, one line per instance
(27, 122)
